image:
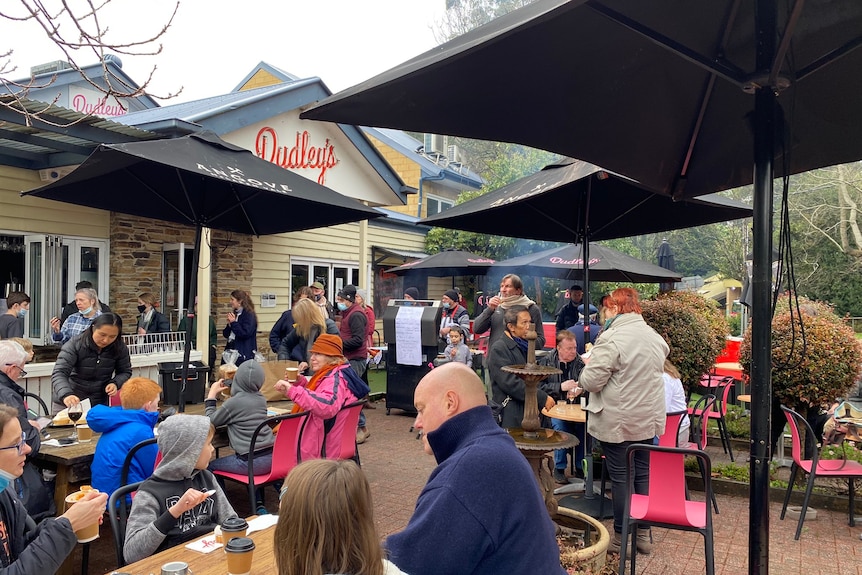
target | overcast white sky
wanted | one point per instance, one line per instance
(213, 44)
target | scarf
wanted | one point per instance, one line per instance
(512, 300)
(315, 381)
(523, 344)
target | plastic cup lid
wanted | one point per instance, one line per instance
(234, 524)
(239, 545)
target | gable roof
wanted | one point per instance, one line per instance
(409, 146)
(229, 112)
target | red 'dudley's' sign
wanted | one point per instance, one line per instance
(301, 156)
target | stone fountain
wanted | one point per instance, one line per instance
(533, 440)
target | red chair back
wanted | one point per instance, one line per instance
(700, 414)
(670, 437)
(550, 331)
(666, 502)
(347, 449)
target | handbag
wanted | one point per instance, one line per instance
(497, 409)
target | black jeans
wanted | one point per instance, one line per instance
(615, 459)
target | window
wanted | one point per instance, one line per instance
(436, 205)
(332, 276)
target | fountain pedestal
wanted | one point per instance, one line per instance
(531, 439)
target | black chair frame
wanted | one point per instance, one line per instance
(118, 515)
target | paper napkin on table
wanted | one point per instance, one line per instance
(55, 443)
(262, 522)
(204, 545)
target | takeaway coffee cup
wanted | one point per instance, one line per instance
(234, 527)
(291, 373)
(84, 432)
(89, 532)
(239, 552)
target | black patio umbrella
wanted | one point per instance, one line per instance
(666, 260)
(605, 264)
(570, 201)
(202, 181)
(683, 96)
(447, 263)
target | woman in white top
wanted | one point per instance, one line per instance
(674, 399)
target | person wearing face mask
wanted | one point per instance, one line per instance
(94, 364)
(352, 329)
(70, 308)
(89, 309)
(12, 322)
(318, 294)
(453, 314)
(27, 548)
(151, 320)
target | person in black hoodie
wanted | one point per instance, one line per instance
(25, 548)
(94, 364)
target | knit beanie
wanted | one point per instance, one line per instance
(452, 294)
(412, 292)
(328, 344)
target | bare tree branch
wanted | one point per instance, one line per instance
(79, 32)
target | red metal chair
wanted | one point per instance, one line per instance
(670, 438)
(721, 388)
(666, 504)
(699, 415)
(285, 453)
(348, 448)
(815, 466)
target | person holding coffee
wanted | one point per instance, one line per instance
(242, 413)
(322, 396)
(42, 550)
(313, 503)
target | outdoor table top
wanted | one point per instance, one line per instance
(212, 563)
(567, 412)
(81, 452)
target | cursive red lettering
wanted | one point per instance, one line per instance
(301, 156)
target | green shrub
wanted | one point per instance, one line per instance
(817, 372)
(693, 327)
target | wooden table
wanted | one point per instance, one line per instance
(567, 412)
(72, 462)
(213, 563)
(731, 368)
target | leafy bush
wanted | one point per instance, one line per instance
(817, 371)
(693, 327)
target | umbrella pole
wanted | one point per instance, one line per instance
(190, 314)
(761, 284)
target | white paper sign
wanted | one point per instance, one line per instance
(408, 335)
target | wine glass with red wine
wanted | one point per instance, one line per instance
(75, 413)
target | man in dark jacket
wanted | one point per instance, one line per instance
(492, 516)
(568, 316)
(352, 329)
(12, 360)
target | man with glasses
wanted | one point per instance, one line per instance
(12, 359)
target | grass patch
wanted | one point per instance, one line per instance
(377, 380)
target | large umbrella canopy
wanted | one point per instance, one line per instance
(658, 91)
(573, 200)
(683, 96)
(605, 264)
(201, 180)
(447, 263)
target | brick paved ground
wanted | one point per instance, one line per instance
(397, 469)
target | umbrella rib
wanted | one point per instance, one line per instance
(730, 73)
(553, 219)
(623, 214)
(239, 204)
(161, 196)
(784, 45)
(829, 58)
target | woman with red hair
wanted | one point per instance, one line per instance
(626, 405)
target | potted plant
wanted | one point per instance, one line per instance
(815, 356)
(693, 327)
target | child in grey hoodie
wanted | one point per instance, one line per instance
(172, 507)
(242, 413)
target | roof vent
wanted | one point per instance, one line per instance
(50, 68)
